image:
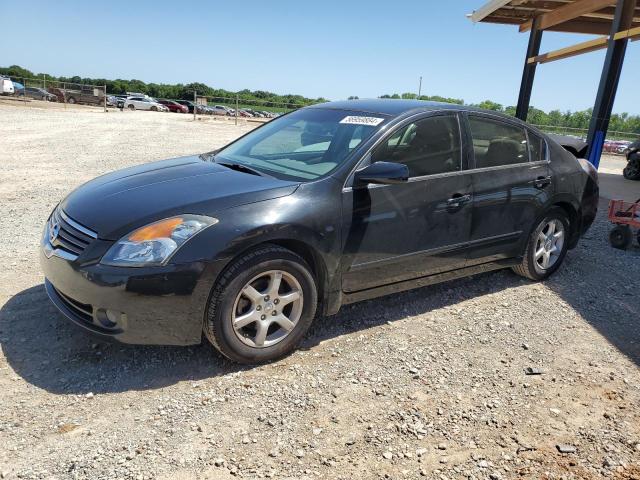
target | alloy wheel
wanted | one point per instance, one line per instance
(549, 244)
(267, 308)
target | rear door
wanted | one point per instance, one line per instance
(511, 184)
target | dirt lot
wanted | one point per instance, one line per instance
(428, 383)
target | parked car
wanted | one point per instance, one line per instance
(173, 106)
(6, 86)
(615, 146)
(17, 87)
(255, 113)
(142, 103)
(575, 145)
(161, 107)
(249, 242)
(85, 94)
(219, 110)
(37, 94)
(190, 105)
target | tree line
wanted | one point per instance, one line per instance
(620, 122)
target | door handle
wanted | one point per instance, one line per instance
(541, 182)
(457, 200)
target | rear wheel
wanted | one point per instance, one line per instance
(71, 100)
(621, 237)
(262, 305)
(546, 248)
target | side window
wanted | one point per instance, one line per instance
(537, 148)
(427, 147)
(497, 143)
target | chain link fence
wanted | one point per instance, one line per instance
(33, 91)
(41, 89)
(612, 135)
(241, 109)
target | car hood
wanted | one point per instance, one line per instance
(116, 203)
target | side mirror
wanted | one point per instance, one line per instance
(383, 173)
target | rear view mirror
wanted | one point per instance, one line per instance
(383, 173)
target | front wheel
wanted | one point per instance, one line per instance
(261, 306)
(546, 247)
(131, 107)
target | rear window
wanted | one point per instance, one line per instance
(497, 143)
(537, 149)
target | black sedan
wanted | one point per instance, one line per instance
(38, 94)
(249, 243)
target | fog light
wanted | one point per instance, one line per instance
(109, 318)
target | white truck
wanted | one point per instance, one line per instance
(6, 86)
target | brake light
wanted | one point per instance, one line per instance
(588, 167)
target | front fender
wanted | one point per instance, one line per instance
(304, 218)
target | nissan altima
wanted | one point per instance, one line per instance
(328, 205)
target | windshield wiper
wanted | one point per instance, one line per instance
(239, 167)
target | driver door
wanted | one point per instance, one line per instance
(421, 227)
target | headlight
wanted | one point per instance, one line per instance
(155, 243)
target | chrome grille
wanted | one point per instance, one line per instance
(67, 236)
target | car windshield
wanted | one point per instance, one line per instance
(303, 145)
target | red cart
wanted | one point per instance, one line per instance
(626, 217)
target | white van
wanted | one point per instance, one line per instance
(6, 86)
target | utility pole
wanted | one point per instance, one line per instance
(420, 87)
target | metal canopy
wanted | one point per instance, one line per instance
(616, 21)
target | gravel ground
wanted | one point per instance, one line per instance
(428, 383)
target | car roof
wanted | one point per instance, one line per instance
(397, 107)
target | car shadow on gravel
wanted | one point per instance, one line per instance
(48, 351)
(601, 284)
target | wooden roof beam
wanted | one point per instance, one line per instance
(487, 9)
(578, 49)
(632, 34)
(567, 12)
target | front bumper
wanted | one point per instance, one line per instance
(150, 306)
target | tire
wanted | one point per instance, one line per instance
(131, 106)
(632, 170)
(154, 109)
(256, 272)
(71, 100)
(620, 237)
(533, 263)
(638, 237)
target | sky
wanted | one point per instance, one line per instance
(331, 49)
